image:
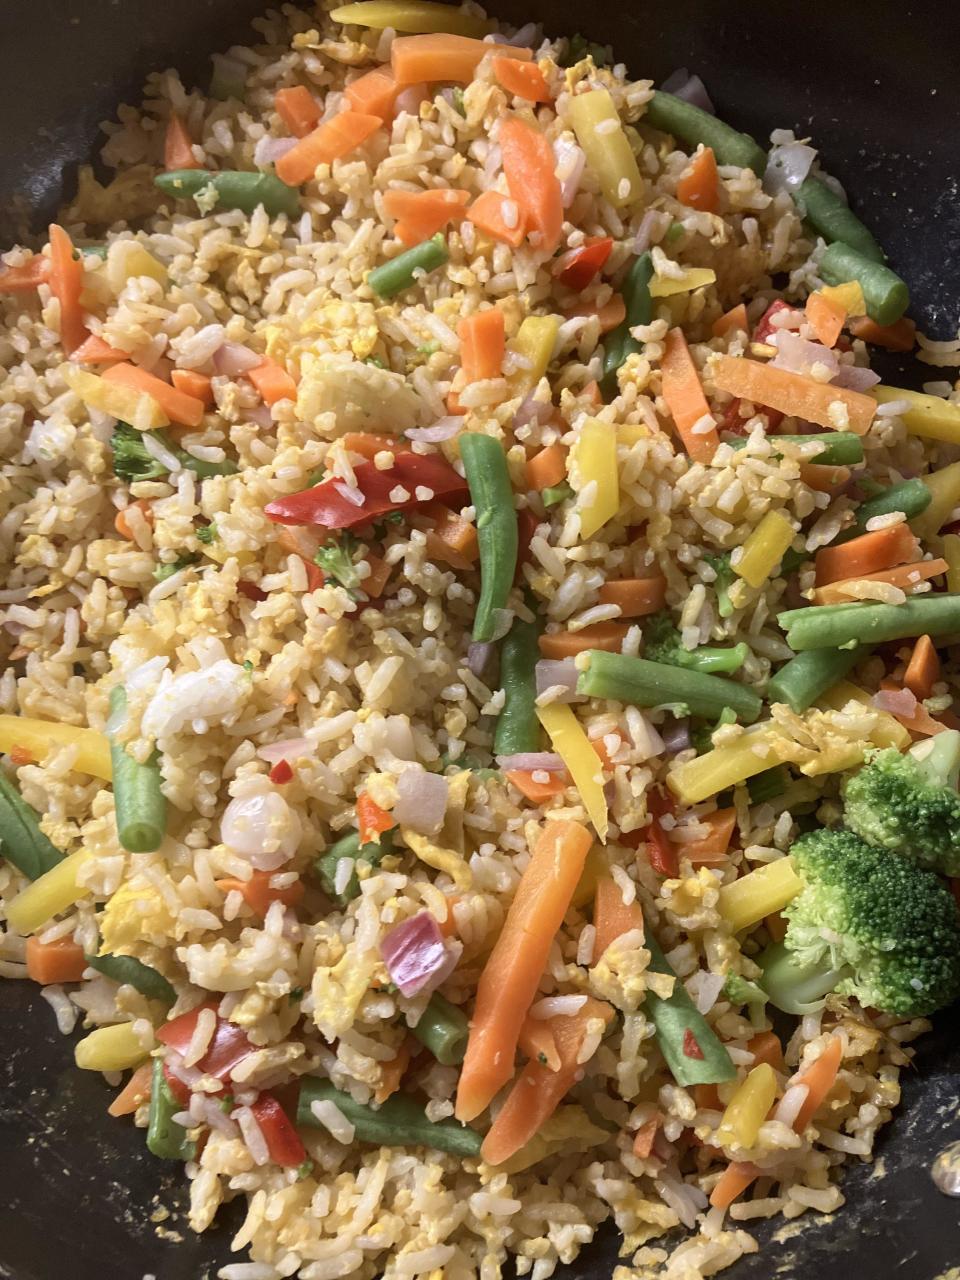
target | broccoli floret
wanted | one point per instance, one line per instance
(866, 924)
(661, 643)
(131, 460)
(720, 564)
(740, 991)
(909, 803)
(579, 47)
(207, 533)
(336, 561)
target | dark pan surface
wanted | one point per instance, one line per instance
(876, 86)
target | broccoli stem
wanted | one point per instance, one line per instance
(794, 987)
(713, 659)
(939, 758)
(833, 626)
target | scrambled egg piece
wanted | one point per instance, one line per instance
(130, 195)
(338, 989)
(693, 899)
(441, 859)
(135, 913)
(621, 974)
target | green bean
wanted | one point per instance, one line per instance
(235, 189)
(912, 497)
(518, 728)
(840, 448)
(800, 682)
(398, 1122)
(140, 804)
(639, 306)
(166, 1139)
(348, 846)
(554, 494)
(401, 272)
(834, 625)
(835, 220)
(768, 785)
(133, 972)
(654, 684)
(22, 842)
(444, 1030)
(680, 1028)
(886, 295)
(693, 126)
(485, 465)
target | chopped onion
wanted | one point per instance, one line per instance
(492, 166)
(681, 1197)
(676, 735)
(533, 410)
(444, 429)
(899, 702)
(649, 223)
(527, 37)
(409, 99)
(482, 660)
(502, 622)
(549, 761)
(232, 360)
(421, 800)
(854, 377)
(797, 355)
(551, 672)
(708, 989)
(288, 749)
(571, 162)
(790, 1105)
(413, 952)
(262, 828)
(261, 414)
(788, 166)
(350, 492)
(690, 88)
(269, 150)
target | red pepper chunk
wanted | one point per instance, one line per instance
(660, 849)
(228, 1045)
(372, 821)
(765, 328)
(281, 772)
(690, 1047)
(526, 527)
(577, 267)
(326, 505)
(177, 1087)
(283, 1141)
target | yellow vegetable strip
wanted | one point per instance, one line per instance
(596, 123)
(748, 1108)
(111, 1049)
(927, 416)
(38, 736)
(764, 549)
(849, 296)
(692, 278)
(132, 406)
(52, 893)
(573, 746)
(888, 732)
(759, 748)
(412, 17)
(951, 553)
(759, 893)
(944, 486)
(534, 344)
(594, 463)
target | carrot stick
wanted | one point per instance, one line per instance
(392, 1072)
(870, 553)
(448, 927)
(298, 109)
(452, 538)
(612, 917)
(731, 321)
(547, 468)
(258, 893)
(93, 350)
(826, 318)
(567, 644)
(591, 392)
(906, 576)
(923, 669)
(499, 217)
(636, 597)
(380, 571)
(611, 314)
(366, 444)
(134, 1093)
(538, 1090)
(511, 975)
(447, 58)
(331, 140)
(732, 1182)
(522, 79)
(819, 1079)
(120, 520)
(796, 394)
(823, 477)
(178, 146)
(26, 277)
(273, 382)
(181, 408)
(421, 214)
(711, 849)
(194, 384)
(685, 399)
(374, 93)
(766, 1047)
(536, 1042)
(66, 281)
(59, 961)
(482, 344)
(529, 166)
(537, 792)
(644, 1138)
(699, 188)
(901, 336)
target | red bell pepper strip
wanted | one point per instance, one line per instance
(283, 1141)
(228, 1045)
(281, 773)
(177, 1087)
(577, 267)
(372, 821)
(326, 505)
(526, 527)
(660, 849)
(691, 1048)
(765, 328)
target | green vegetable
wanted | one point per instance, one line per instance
(444, 1030)
(639, 304)
(228, 78)
(234, 189)
(166, 570)
(165, 1139)
(886, 295)
(768, 785)
(485, 464)
(912, 497)
(336, 559)
(140, 805)
(655, 684)
(840, 625)
(740, 991)
(518, 728)
(401, 272)
(458, 103)
(834, 220)
(207, 533)
(578, 48)
(693, 126)
(348, 846)
(725, 579)
(800, 682)
(93, 250)
(909, 803)
(398, 1122)
(22, 842)
(866, 924)
(305, 1169)
(132, 460)
(661, 643)
(554, 494)
(840, 448)
(677, 1023)
(134, 973)
(674, 232)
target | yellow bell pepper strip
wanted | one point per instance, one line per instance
(412, 17)
(593, 473)
(692, 278)
(111, 1049)
(888, 731)
(533, 343)
(137, 408)
(47, 896)
(944, 487)
(758, 748)
(574, 749)
(759, 893)
(764, 549)
(928, 416)
(848, 295)
(748, 1108)
(39, 736)
(951, 553)
(600, 133)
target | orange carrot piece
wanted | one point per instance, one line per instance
(906, 576)
(644, 1138)
(59, 961)
(537, 792)
(66, 281)
(421, 214)
(685, 399)
(258, 893)
(522, 79)
(611, 314)
(636, 597)
(374, 93)
(823, 477)
(537, 1044)
(194, 384)
(731, 321)
(776, 926)
(612, 917)
(178, 146)
(487, 215)
(819, 1079)
(923, 669)
(453, 539)
(177, 405)
(567, 644)
(511, 975)
(331, 140)
(366, 444)
(707, 1097)
(26, 277)
(591, 392)
(93, 350)
(826, 318)
(710, 850)
(529, 166)
(120, 520)
(380, 572)
(134, 1093)
(372, 820)
(794, 393)
(538, 1090)
(273, 382)
(547, 468)
(482, 344)
(869, 553)
(733, 1182)
(766, 1047)
(901, 336)
(699, 188)
(448, 927)
(392, 1072)
(298, 109)
(447, 58)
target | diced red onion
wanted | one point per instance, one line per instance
(349, 492)
(676, 735)
(269, 150)
(496, 37)
(788, 167)
(502, 622)
(444, 429)
(533, 410)
(261, 414)
(550, 672)
(854, 377)
(899, 702)
(711, 984)
(644, 234)
(413, 952)
(549, 761)
(481, 659)
(232, 360)
(798, 355)
(527, 37)
(288, 749)
(663, 1148)
(421, 800)
(571, 162)
(409, 99)
(690, 88)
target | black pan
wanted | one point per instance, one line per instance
(876, 86)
